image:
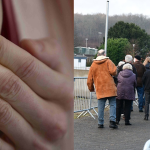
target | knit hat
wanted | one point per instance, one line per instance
(138, 57)
(127, 66)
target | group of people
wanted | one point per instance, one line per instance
(118, 84)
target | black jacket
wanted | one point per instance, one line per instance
(146, 80)
(120, 69)
(147, 66)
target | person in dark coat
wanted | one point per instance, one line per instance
(146, 63)
(140, 89)
(125, 92)
(146, 83)
(128, 60)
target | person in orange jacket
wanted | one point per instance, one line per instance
(100, 75)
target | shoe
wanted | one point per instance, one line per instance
(117, 123)
(140, 110)
(100, 126)
(113, 125)
(127, 123)
(146, 117)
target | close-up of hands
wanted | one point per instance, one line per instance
(35, 99)
(36, 93)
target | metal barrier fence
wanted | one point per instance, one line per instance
(84, 100)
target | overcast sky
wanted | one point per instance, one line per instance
(116, 7)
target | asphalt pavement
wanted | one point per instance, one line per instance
(87, 135)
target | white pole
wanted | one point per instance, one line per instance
(86, 42)
(106, 27)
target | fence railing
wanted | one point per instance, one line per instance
(84, 100)
(81, 68)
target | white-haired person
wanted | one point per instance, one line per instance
(125, 92)
(128, 60)
(115, 77)
(121, 63)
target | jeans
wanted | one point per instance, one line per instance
(101, 107)
(140, 91)
(147, 101)
(132, 105)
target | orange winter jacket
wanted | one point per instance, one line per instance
(100, 75)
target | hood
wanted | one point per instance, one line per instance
(126, 73)
(100, 59)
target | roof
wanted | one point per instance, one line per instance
(80, 57)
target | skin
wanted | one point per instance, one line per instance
(36, 90)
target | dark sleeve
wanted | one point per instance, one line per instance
(143, 78)
(144, 68)
(134, 71)
(135, 81)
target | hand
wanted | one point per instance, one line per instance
(36, 105)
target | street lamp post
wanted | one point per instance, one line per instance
(86, 41)
(133, 49)
(106, 27)
(99, 33)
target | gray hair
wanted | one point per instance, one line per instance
(121, 63)
(101, 52)
(127, 66)
(128, 58)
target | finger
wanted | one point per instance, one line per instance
(50, 54)
(41, 79)
(5, 146)
(14, 126)
(31, 107)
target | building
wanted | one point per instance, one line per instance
(86, 51)
(80, 62)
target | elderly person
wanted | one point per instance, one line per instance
(100, 74)
(128, 60)
(125, 92)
